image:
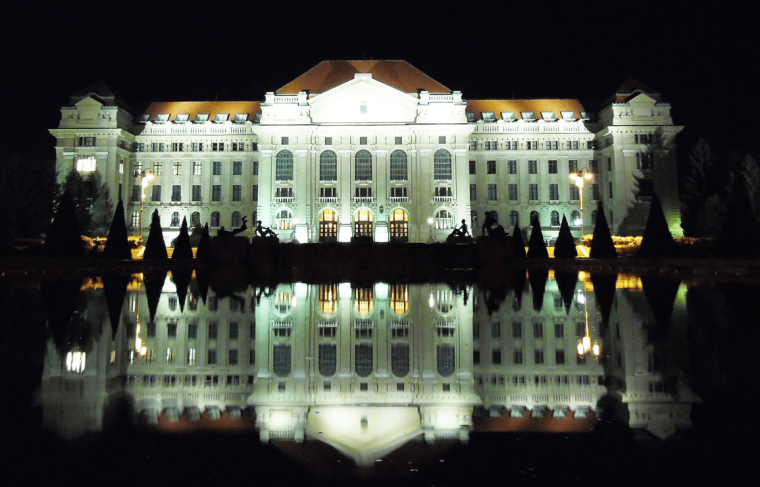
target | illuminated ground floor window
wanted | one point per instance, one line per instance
(328, 226)
(363, 223)
(399, 225)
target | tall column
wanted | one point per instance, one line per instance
(263, 210)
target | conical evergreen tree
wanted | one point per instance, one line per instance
(64, 239)
(565, 246)
(658, 241)
(741, 230)
(518, 244)
(536, 245)
(155, 248)
(182, 249)
(602, 246)
(204, 246)
(117, 244)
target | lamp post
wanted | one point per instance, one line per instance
(145, 178)
(585, 345)
(579, 177)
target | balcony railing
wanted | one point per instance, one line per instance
(363, 199)
(398, 199)
(443, 198)
(284, 199)
(328, 199)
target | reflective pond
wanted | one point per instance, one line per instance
(546, 376)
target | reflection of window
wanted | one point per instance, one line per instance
(363, 328)
(328, 298)
(281, 360)
(283, 302)
(400, 359)
(363, 353)
(399, 298)
(75, 362)
(328, 359)
(445, 359)
(444, 300)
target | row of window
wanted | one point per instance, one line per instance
(195, 219)
(196, 192)
(538, 328)
(195, 146)
(518, 358)
(533, 193)
(552, 167)
(197, 168)
(530, 145)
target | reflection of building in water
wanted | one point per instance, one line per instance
(362, 368)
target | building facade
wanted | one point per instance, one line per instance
(376, 149)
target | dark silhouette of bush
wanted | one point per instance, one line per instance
(602, 246)
(117, 244)
(155, 248)
(182, 249)
(536, 245)
(518, 244)
(657, 241)
(741, 229)
(204, 246)
(64, 239)
(565, 246)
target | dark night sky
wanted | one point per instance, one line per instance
(698, 57)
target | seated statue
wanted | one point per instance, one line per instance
(264, 231)
(461, 231)
(224, 233)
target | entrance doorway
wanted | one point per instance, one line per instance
(399, 225)
(328, 226)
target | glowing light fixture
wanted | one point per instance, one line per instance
(579, 177)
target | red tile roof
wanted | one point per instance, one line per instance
(518, 106)
(631, 87)
(329, 74)
(211, 107)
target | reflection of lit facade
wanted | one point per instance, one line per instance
(362, 368)
(373, 149)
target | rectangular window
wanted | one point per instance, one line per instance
(496, 357)
(217, 146)
(559, 357)
(178, 147)
(610, 189)
(594, 191)
(516, 330)
(255, 168)
(217, 168)
(533, 192)
(538, 330)
(574, 191)
(251, 357)
(197, 168)
(284, 141)
(552, 167)
(237, 192)
(538, 357)
(237, 168)
(216, 192)
(362, 140)
(472, 167)
(517, 357)
(87, 141)
(491, 166)
(171, 330)
(154, 146)
(156, 196)
(211, 357)
(609, 164)
(559, 330)
(552, 145)
(593, 166)
(496, 330)
(491, 192)
(572, 166)
(176, 192)
(196, 192)
(328, 140)
(512, 167)
(441, 139)
(233, 357)
(255, 195)
(213, 331)
(158, 169)
(197, 146)
(532, 167)
(554, 192)
(177, 169)
(476, 357)
(190, 361)
(138, 168)
(473, 145)
(192, 331)
(399, 140)
(395, 192)
(512, 192)
(473, 192)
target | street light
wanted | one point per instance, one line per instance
(579, 177)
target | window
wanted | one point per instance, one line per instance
(491, 192)
(215, 219)
(177, 192)
(281, 358)
(217, 168)
(328, 140)
(235, 221)
(516, 330)
(594, 191)
(158, 169)
(87, 141)
(196, 192)
(211, 357)
(473, 144)
(593, 166)
(399, 170)
(197, 168)
(364, 360)
(232, 357)
(538, 357)
(609, 164)
(443, 220)
(216, 192)
(514, 218)
(552, 145)
(328, 359)
(473, 167)
(476, 357)
(593, 217)
(572, 166)
(496, 357)
(512, 167)
(473, 192)
(559, 330)
(491, 167)
(517, 357)
(559, 357)
(172, 303)
(574, 192)
(512, 192)
(328, 166)
(86, 164)
(538, 330)
(284, 220)
(555, 218)
(175, 220)
(251, 358)
(554, 192)
(156, 195)
(534, 218)
(400, 359)
(333, 192)
(237, 168)
(531, 145)
(237, 192)
(178, 147)
(197, 146)
(195, 219)
(399, 140)
(533, 192)
(441, 165)
(441, 139)
(283, 193)
(138, 168)
(363, 166)
(177, 169)
(445, 356)
(496, 330)
(255, 195)
(532, 167)
(255, 168)
(362, 140)
(575, 218)
(552, 167)
(135, 220)
(284, 165)
(610, 189)
(217, 147)
(136, 192)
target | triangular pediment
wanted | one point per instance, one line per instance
(89, 102)
(363, 100)
(641, 99)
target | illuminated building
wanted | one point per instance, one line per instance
(377, 149)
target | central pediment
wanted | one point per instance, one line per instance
(363, 100)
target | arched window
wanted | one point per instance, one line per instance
(363, 300)
(195, 218)
(328, 166)
(363, 223)
(399, 170)
(534, 219)
(399, 298)
(215, 219)
(441, 165)
(363, 161)
(575, 218)
(328, 357)
(443, 220)
(445, 359)
(284, 220)
(328, 226)
(514, 219)
(593, 217)
(363, 360)
(235, 222)
(175, 219)
(399, 225)
(555, 218)
(400, 359)
(281, 360)
(135, 219)
(284, 166)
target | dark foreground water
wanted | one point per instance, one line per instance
(540, 377)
